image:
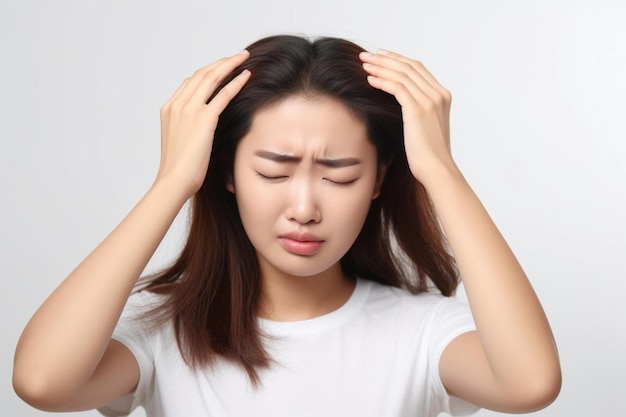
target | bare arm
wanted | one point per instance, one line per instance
(510, 363)
(65, 359)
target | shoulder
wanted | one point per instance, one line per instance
(140, 318)
(143, 301)
(423, 311)
(385, 297)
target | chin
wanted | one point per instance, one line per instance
(300, 267)
(305, 272)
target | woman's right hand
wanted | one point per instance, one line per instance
(65, 358)
(188, 122)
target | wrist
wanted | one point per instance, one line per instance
(437, 174)
(167, 189)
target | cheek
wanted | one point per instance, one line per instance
(252, 201)
(245, 192)
(347, 211)
(258, 209)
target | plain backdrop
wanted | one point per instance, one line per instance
(538, 128)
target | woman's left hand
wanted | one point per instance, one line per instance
(510, 363)
(425, 108)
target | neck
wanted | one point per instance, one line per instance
(286, 297)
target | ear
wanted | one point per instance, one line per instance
(380, 176)
(230, 184)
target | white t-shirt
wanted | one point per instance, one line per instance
(377, 355)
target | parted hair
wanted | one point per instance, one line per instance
(211, 292)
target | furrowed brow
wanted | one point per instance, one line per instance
(327, 162)
(338, 163)
(277, 157)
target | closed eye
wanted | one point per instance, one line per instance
(271, 178)
(342, 183)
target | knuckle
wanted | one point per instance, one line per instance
(197, 73)
(210, 78)
(176, 108)
(418, 64)
(406, 66)
(428, 106)
(403, 77)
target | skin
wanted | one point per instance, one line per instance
(65, 359)
(510, 363)
(294, 174)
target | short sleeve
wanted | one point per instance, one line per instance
(451, 318)
(132, 333)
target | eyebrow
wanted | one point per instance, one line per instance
(332, 163)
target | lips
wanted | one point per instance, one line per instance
(304, 244)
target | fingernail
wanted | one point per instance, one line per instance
(244, 52)
(383, 52)
(366, 54)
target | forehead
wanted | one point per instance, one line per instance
(300, 125)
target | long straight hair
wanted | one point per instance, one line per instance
(212, 290)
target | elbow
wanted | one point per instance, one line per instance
(32, 390)
(536, 393)
(29, 389)
(543, 393)
(547, 384)
(38, 391)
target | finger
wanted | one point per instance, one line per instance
(382, 66)
(412, 112)
(211, 79)
(199, 75)
(407, 99)
(186, 90)
(195, 78)
(184, 87)
(417, 65)
(413, 82)
(445, 96)
(417, 100)
(228, 92)
(397, 61)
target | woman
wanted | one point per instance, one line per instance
(321, 178)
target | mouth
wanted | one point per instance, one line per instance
(301, 243)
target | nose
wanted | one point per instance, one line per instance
(302, 205)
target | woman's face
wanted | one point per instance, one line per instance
(304, 178)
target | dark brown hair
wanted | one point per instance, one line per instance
(213, 288)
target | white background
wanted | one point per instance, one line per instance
(538, 127)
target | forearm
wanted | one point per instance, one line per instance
(65, 339)
(511, 323)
